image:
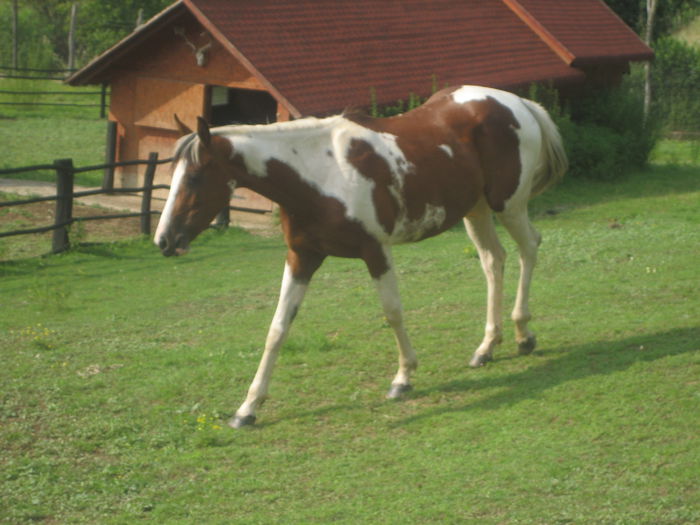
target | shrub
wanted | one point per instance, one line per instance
(604, 130)
(390, 110)
(675, 83)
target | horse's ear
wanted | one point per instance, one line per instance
(203, 131)
(184, 130)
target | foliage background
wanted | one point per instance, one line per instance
(44, 25)
(670, 14)
(676, 84)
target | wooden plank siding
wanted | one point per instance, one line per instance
(164, 79)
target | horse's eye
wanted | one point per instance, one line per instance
(194, 179)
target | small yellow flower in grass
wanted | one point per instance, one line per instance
(205, 422)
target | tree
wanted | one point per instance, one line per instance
(669, 14)
(15, 33)
(102, 23)
(99, 24)
(651, 6)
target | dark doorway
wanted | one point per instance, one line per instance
(240, 106)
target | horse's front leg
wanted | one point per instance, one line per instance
(297, 274)
(388, 289)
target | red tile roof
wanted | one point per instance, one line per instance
(589, 30)
(321, 56)
(325, 55)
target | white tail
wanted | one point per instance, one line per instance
(554, 162)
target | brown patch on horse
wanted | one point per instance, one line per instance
(453, 183)
(316, 225)
(365, 159)
(498, 146)
(490, 128)
(486, 157)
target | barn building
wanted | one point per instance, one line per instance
(242, 61)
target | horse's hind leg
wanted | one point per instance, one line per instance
(482, 231)
(528, 240)
(388, 290)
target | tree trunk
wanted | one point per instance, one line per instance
(71, 36)
(15, 34)
(648, 36)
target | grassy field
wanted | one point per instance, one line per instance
(121, 367)
(37, 134)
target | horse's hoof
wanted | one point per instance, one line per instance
(240, 422)
(526, 347)
(397, 391)
(480, 360)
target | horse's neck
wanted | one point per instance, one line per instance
(284, 160)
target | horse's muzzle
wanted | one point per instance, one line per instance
(179, 245)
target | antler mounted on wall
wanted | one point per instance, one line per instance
(200, 53)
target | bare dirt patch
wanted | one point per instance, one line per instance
(41, 214)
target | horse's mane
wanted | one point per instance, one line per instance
(355, 114)
(184, 147)
(302, 124)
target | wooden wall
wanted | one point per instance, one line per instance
(161, 78)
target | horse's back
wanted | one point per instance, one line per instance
(504, 133)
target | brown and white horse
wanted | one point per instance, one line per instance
(352, 186)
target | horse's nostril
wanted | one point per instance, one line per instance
(163, 243)
(182, 244)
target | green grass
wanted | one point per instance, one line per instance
(33, 135)
(121, 367)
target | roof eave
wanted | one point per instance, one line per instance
(605, 60)
(216, 32)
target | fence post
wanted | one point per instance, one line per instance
(223, 219)
(103, 101)
(64, 204)
(147, 193)
(110, 155)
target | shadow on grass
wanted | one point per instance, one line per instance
(139, 250)
(597, 358)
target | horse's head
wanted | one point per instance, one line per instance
(201, 187)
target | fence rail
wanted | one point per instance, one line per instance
(65, 195)
(27, 73)
(49, 74)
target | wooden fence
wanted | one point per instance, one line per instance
(50, 74)
(65, 174)
(33, 73)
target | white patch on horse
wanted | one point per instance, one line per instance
(470, 93)
(410, 231)
(528, 132)
(305, 150)
(354, 189)
(447, 149)
(165, 217)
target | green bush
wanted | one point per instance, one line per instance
(604, 130)
(676, 84)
